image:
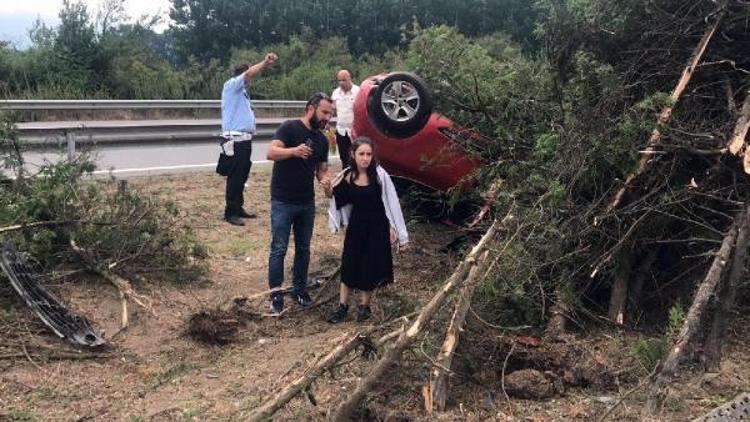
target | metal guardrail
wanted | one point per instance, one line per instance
(22, 105)
(70, 135)
(130, 131)
(67, 135)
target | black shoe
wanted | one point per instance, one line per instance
(277, 304)
(245, 214)
(304, 299)
(339, 314)
(234, 220)
(363, 313)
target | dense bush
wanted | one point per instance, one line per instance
(139, 236)
(567, 125)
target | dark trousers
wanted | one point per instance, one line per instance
(235, 197)
(285, 218)
(344, 143)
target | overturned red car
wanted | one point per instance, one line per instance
(395, 111)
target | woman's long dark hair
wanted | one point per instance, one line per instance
(372, 169)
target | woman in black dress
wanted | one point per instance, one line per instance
(366, 261)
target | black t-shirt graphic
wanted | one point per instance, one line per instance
(292, 179)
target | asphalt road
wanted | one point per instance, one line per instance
(136, 159)
(186, 146)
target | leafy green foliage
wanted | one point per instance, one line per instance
(10, 149)
(651, 351)
(675, 321)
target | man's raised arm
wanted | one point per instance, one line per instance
(257, 68)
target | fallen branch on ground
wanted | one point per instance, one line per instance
(329, 362)
(346, 409)
(438, 387)
(123, 286)
(36, 224)
(16, 227)
(267, 293)
(622, 398)
(266, 410)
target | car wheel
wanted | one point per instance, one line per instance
(400, 105)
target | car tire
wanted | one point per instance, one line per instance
(400, 105)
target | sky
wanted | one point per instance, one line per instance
(17, 16)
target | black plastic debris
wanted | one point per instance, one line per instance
(51, 311)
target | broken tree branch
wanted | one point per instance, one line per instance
(16, 227)
(726, 298)
(438, 387)
(666, 111)
(694, 317)
(266, 410)
(36, 224)
(439, 377)
(736, 143)
(319, 282)
(124, 287)
(347, 408)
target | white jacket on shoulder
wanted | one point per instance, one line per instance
(339, 218)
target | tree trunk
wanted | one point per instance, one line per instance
(619, 295)
(643, 271)
(694, 318)
(267, 409)
(560, 310)
(477, 257)
(726, 298)
(666, 112)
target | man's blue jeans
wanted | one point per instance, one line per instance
(286, 217)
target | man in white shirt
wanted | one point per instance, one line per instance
(343, 102)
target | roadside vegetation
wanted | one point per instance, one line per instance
(60, 211)
(618, 139)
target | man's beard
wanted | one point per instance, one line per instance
(316, 123)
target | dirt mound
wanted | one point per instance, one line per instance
(219, 326)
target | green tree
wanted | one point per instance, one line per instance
(211, 28)
(78, 60)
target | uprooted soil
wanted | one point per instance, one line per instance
(157, 370)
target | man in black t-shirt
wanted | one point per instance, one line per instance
(299, 151)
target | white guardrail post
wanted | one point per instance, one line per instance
(71, 140)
